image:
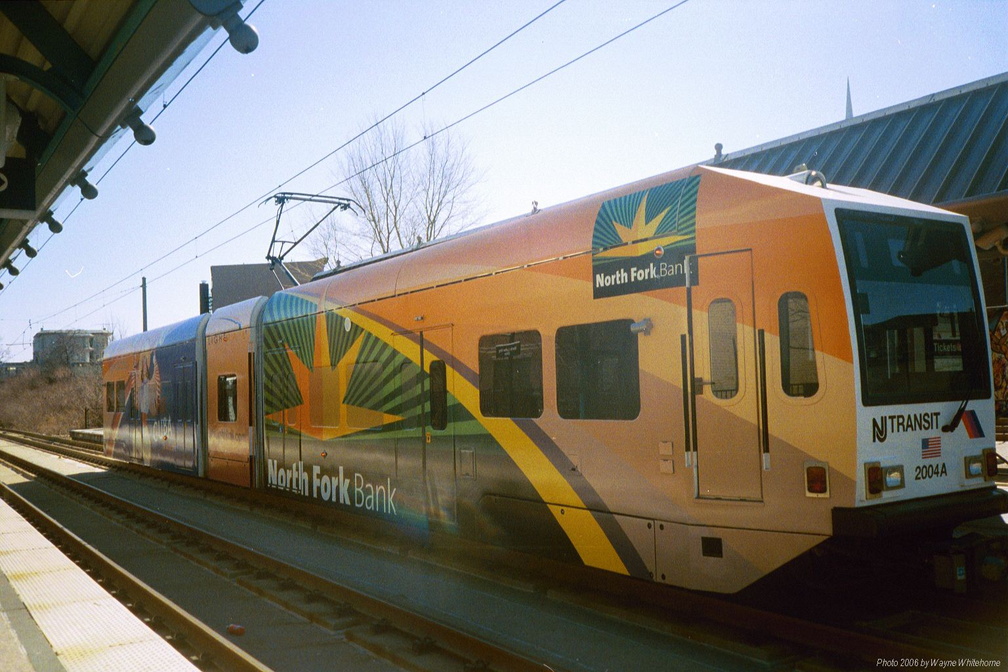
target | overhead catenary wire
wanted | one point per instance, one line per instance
(506, 96)
(402, 150)
(259, 198)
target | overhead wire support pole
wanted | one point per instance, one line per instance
(276, 253)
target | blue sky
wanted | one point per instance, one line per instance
(731, 71)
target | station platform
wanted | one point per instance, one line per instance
(92, 435)
(56, 618)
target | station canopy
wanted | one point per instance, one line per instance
(948, 149)
(75, 77)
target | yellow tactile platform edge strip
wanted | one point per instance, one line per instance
(89, 629)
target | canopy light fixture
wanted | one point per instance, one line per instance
(87, 190)
(142, 132)
(54, 226)
(10, 268)
(241, 35)
(28, 249)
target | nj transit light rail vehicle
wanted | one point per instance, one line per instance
(693, 379)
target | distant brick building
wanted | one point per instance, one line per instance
(232, 284)
(72, 347)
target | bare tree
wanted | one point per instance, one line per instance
(449, 176)
(329, 240)
(407, 194)
(115, 325)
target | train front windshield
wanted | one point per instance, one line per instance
(920, 331)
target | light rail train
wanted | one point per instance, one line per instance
(693, 379)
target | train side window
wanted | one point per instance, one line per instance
(799, 376)
(510, 373)
(597, 371)
(227, 398)
(438, 395)
(120, 396)
(110, 397)
(723, 331)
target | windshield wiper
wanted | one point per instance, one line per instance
(957, 418)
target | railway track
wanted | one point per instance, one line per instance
(730, 635)
(219, 567)
(189, 636)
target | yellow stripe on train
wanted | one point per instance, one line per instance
(582, 529)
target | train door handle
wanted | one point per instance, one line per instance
(699, 383)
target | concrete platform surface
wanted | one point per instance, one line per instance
(56, 618)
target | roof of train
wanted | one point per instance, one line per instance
(170, 334)
(556, 232)
(234, 316)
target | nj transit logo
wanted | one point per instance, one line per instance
(900, 423)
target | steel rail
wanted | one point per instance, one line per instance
(807, 633)
(417, 624)
(223, 653)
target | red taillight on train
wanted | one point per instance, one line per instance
(816, 480)
(874, 481)
(990, 463)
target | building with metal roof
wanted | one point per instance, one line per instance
(948, 149)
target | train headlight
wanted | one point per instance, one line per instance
(974, 466)
(893, 477)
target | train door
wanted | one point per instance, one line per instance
(725, 399)
(185, 407)
(283, 440)
(136, 425)
(425, 453)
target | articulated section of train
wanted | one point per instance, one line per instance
(692, 379)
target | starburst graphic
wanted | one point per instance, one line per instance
(641, 228)
(639, 237)
(323, 413)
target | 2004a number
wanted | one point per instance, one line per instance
(925, 471)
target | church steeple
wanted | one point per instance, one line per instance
(850, 108)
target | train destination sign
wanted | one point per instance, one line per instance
(640, 241)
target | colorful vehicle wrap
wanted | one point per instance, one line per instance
(693, 379)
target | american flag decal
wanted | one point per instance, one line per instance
(931, 448)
